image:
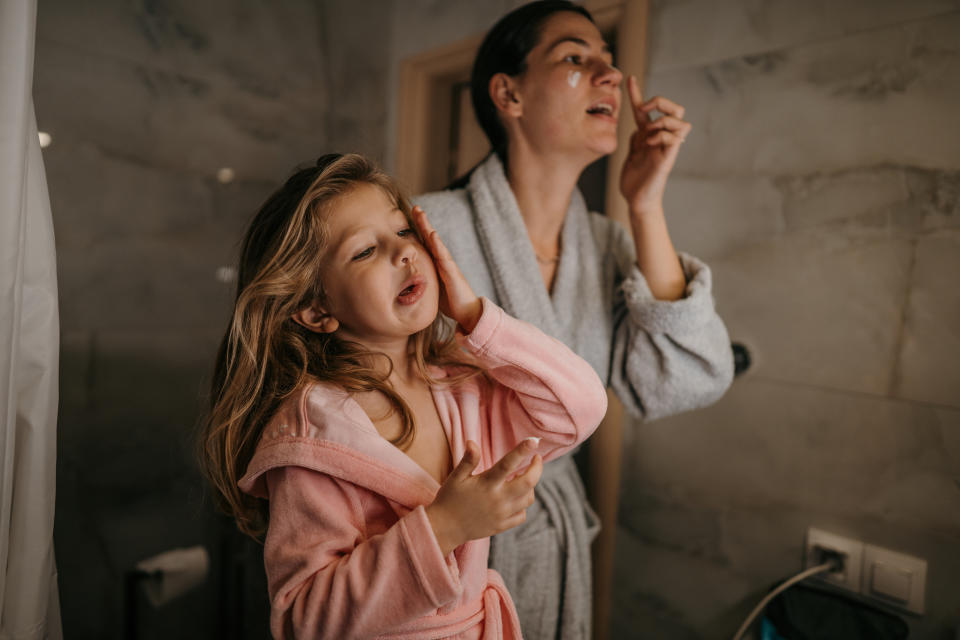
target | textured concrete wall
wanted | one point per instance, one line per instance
(821, 184)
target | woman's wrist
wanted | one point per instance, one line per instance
(657, 259)
(644, 214)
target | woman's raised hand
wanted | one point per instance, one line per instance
(468, 507)
(457, 299)
(653, 150)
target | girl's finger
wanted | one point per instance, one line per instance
(510, 462)
(420, 221)
(430, 236)
(469, 462)
(530, 476)
(664, 106)
(515, 520)
(424, 220)
(442, 253)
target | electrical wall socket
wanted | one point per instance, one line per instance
(851, 549)
(894, 578)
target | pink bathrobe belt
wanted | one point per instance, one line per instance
(495, 609)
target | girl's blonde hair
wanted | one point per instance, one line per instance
(265, 356)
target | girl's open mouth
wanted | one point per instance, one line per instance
(412, 291)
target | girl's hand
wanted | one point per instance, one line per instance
(653, 150)
(457, 299)
(469, 507)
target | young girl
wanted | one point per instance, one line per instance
(378, 451)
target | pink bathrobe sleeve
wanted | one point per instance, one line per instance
(540, 388)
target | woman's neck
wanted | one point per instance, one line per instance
(543, 186)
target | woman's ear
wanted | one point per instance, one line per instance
(503, 93)
(316, 319)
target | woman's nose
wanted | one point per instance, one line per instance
(606, 73)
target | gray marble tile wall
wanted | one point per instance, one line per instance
(145, 102)
(822, 184)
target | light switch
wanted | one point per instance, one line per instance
(890, 582)
(895, 578)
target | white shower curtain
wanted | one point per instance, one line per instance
(29, 348)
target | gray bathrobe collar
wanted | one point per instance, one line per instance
(513, 265)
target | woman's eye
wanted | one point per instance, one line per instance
(363, 254)
(403, 233)
(575, 59)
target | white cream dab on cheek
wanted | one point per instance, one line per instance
(573, 78)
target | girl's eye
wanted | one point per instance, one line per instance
(575, 59)
(363, 254)
(403, 233)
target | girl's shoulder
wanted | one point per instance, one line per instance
(460, 382)
(309, 410)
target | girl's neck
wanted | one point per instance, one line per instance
(401, 366)
(543, 185)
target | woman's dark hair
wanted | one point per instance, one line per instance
(504, 50)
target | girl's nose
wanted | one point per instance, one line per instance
(407, 253)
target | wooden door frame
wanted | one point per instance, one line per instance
(425, 105)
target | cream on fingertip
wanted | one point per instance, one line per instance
(534, 439)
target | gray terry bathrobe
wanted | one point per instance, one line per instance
(659, 357)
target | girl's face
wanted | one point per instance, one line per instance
(570, 90)
(379, 281)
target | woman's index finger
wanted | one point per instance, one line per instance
(665, 106)
(636, 101)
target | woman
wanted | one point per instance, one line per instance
(547, 95)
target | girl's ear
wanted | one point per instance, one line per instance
(503, 93)
(316, 319)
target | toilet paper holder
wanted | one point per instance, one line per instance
(163, 577)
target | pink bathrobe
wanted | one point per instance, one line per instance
(349, 551)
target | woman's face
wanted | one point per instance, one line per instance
(570, 90)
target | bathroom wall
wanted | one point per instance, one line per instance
(145, 102)
(822, 185)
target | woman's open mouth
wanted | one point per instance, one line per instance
(604, 109)
(412, 290)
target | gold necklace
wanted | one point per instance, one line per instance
(555, 259)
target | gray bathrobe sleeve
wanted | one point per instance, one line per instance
(666, 356)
